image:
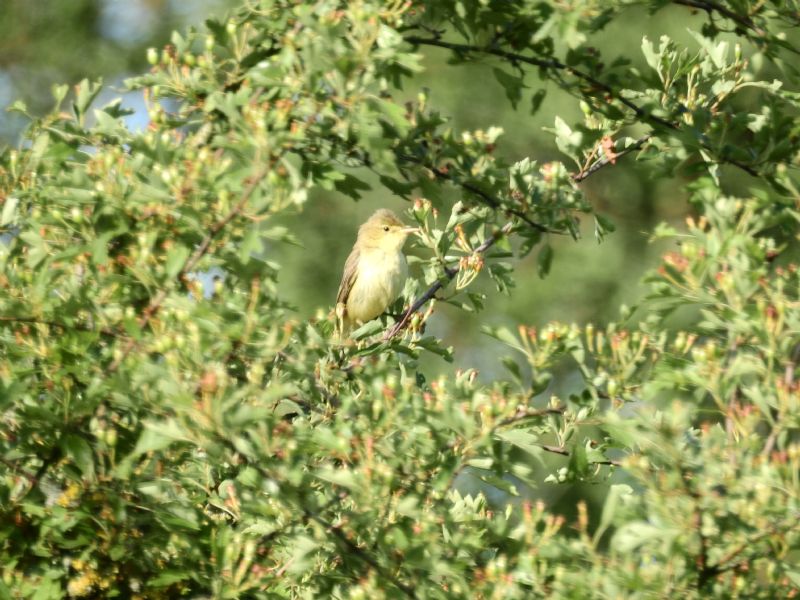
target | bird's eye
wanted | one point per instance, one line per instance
(386, 228)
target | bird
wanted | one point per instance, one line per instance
(375, 270)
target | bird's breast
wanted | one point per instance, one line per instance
(380, 279)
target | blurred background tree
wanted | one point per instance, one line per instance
(65, 41)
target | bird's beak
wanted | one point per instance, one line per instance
(408, 230)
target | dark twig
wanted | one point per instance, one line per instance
(13, 467)
(564, 452)
(62, 326)
(449, 274)
(527, 413)
(191, 263)
(727, 562)
(550, 64)
(342, 539)
(487, 198)
(710, 6)
(606, 160)
(555, 65)
(704, 572)
(362, 554)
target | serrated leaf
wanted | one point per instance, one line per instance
(85, 93)
(652, 57)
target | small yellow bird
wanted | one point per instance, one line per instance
(375, 271)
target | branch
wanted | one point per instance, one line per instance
(564, 452)
(710, 6)
(526, 413)
(191, 263)
(362, 554)
(449, 274)
(12, 466)
(487, 198)
(62, 326)
(704, 572)
(553, 64)
(584, 173)
(351, 546)
(727, 563)
(550, 64)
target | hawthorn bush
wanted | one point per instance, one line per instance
(165, 436)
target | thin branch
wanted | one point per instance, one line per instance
(564, 452)
(710, 6)
(584, 173)
(487, 198)
(727, 562)
(704, 571)
(191, 263)
(526, 413)
(62, 326)
(555, 65)
(12, 466)
(550, 64)
(362, 554)
(449, 274)
(52, 458)
(340, 536)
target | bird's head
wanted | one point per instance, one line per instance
(384, 230)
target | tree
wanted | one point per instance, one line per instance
(165, 437)
(43, 44)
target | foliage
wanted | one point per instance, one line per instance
(165, 437)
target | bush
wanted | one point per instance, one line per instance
(167, 435)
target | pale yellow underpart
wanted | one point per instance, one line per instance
(381, 276)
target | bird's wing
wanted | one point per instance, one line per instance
(348, 277)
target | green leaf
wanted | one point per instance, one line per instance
(85, 94)
(523, 439)
(537, 99)
(652, 57)
(176, 259)
(157, 436)
(167, 577)
(545, 260)
(578, 461)
(513, 367)
(9, 214)
(634, 535)
(512, 84)
(616, 493)
(343, 477)
(250, 245)
(78, 450)
(395, 115)
(351, 186)
(568, 140)
(602, 227)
